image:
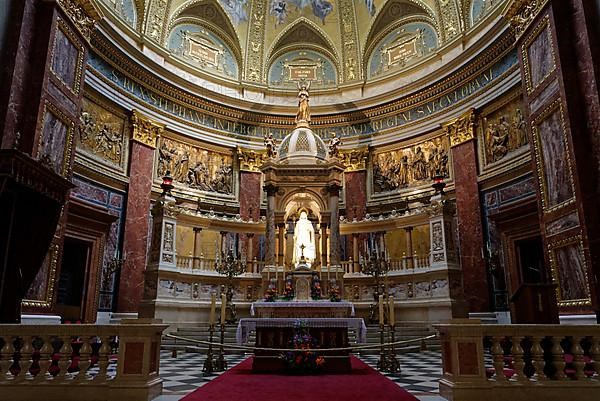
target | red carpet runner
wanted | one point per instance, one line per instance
(240, 384)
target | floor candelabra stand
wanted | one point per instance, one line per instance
(221, 363)
(393, 365)
(209, 363)
(382, 363)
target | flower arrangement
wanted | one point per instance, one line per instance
(334, 292)
(288, 291)
(271, 292)
(305, 359)
(315, 291)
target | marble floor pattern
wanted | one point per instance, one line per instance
(419, 373)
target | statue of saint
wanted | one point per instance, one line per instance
(303, 114)
(304, 240)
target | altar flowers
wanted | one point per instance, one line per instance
(288, 290)
(305, 359)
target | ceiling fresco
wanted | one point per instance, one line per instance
(251, 40)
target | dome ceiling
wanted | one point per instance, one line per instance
(277, 43)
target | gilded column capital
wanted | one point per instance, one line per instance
(461, 129)
(355, 160)
(250, 160)
(520, 13)
(144, 130)
(83, 13)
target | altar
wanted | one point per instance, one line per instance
(275, 326)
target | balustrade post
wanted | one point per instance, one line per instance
(65, 352)
(409, 247)
(578, 361)
(84, 359)
(26, 359)
(558, 359)
(6, 359)
(498, 359)
(103, 355)
(197, 247)
(45, 360)
(355, 255)
(595, 353)
(537, 356)
(250, 253)
(519, 363)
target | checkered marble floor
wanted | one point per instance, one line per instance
(419, 372)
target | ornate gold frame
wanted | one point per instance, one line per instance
(577, 239)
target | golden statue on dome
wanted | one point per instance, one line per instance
(303, 114)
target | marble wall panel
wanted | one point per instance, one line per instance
(556, 169)
(569, 264)
(540, 57)
(55, 137)
(66, 60)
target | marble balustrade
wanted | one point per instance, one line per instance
(519, 362)
(81, 361)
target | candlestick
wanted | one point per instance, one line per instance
(223, 307)
(381, 314)
(213, 307)
(392, 316)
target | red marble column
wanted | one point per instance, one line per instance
(356, 194)
(470, 231)
(137, 220)
(250, 193)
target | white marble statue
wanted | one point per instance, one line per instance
(304, 240)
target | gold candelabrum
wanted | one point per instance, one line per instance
(230, 265)
(376, 265)
(210, 365)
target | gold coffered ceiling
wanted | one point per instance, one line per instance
(277, 43)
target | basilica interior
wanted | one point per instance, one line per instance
(410, 184)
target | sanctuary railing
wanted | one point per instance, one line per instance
(81, 361)
(520, 362)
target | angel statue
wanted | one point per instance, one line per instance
(303, 114)
(270, 145)
(334, 142)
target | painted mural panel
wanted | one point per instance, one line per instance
(295, 66)
(410, 166)
(237, 10)
(102, 134)
(194, 167)
(503, 130)
(402, 47)
(125, 9)
(480, 8)
(204, 49)
(570, 266)
(558, 186)
(286, 10)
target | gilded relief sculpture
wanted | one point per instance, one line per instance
(410, 166)
(101, 133)
(196, 168)
(502, 137)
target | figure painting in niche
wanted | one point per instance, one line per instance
(304, 240)
(320, 9)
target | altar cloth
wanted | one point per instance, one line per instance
(282, 305)
(247, 325)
